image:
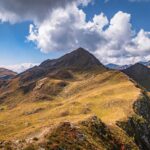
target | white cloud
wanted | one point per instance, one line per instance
(118, 35)
(111, 41)
(67, 29)
(140, 44)
(20, 67)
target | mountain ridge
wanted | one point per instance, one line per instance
(139, 73)
(42, 105)
(77, 60)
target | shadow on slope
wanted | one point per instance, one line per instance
(140, 74)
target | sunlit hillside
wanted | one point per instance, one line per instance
(109, 95)
(77, 96)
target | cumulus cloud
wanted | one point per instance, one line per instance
(140, 44)
(111, 40)
(124, 46)
(118, 34)
(34, 10)
(21, 67)
(67, 29)
(61, 25)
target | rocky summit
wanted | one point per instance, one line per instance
(77, 60)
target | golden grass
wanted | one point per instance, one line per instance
(109, 95)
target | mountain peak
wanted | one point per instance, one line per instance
(80, 50)
(77, 59)
(138, 67)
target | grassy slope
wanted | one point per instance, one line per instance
(109, 95)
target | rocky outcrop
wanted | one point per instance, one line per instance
(91, 134)
(138, 126)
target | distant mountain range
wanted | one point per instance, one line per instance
(122, 67)
(117, 67)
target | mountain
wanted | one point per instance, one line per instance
(6, 74)
(78, 60)
(146, 63)
(73, 102)
(113, 66)
(139, 73)
(122, 67)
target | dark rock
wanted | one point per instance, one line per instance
(140, 74)
(138, 126)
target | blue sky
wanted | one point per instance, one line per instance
(16, 49)
(139, 10)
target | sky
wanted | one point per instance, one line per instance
(115, 31)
